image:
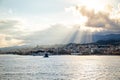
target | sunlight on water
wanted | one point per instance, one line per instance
(13, 67)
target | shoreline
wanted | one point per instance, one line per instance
(65, 55)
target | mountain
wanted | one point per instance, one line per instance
(106, 37)
(108, 42)
(15, 48)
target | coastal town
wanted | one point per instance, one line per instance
(68, 49)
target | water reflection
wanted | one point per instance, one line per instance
(59, 68)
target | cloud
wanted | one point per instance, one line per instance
(119, 6)
(7, 40)
(11, 27)
(13, 33)
(9, 33)
(53, 35)
(101, 19)
(8, 24)
(58, 34)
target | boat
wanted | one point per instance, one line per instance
(46, 55)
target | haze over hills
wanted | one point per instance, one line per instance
(101, 39)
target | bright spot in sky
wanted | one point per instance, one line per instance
(97, 5)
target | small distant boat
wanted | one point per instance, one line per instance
(46, 55)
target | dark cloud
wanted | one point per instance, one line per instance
(100, 19)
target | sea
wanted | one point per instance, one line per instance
(59, 67)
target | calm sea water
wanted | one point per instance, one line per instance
(15, 67)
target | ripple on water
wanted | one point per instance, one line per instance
(59, 68)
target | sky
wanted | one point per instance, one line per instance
(45, 22)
